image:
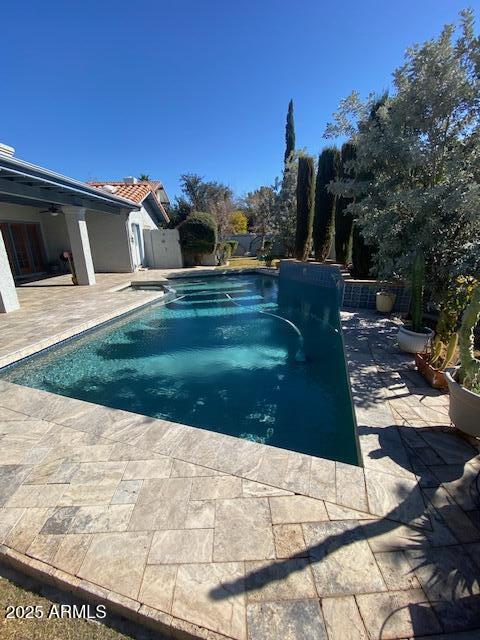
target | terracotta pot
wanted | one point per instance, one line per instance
(413, 342)
(435, 377)
(385, 301)
(464, 409)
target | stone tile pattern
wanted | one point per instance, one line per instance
(240, 539)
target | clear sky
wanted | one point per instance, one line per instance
(104, 89)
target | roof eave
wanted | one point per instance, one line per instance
(15, 166)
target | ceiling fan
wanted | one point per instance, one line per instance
(53, 210)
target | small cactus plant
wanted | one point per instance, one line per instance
(417, 285)
(469, 373)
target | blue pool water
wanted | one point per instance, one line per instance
(217, 358)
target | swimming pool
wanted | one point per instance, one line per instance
(252, 356)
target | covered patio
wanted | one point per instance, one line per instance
(43, 214)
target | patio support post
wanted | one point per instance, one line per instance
(80, 244)
(8, 293)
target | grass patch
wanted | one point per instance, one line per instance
(251, 262)
(22, 591)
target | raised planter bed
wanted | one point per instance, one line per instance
(434, 377)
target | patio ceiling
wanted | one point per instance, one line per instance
(27, 184)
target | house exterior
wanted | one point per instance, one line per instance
(43, 214)
(151, 197)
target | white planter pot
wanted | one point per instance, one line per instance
(413, 342)
(464, 409)
(385, 301)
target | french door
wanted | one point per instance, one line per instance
(24, 244)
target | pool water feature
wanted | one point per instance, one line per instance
(251, 356)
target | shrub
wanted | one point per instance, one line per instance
(198, 234)
(224, 252)
(233, 244)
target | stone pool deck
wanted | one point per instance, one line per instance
(206, 536)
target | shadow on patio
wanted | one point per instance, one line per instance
(439, 548)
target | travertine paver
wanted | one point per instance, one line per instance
(397, 614)
(71, 552)
(156, 468)
(243, 530)
(342, 619)
(127, 492)
(288, 579)
(235, 538)
(116, 561)
(215, 605)
(296, 619)
(181, 546)
(161, 504)
(396, 570)
(286, 509)
(158, 585)
(101, 519)
(289, 540)
(211, 488)
(44, 547)
(200, 514)
(343, 561)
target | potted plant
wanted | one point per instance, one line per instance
(417, 338)
(443, 353)
(385, 300)
(464, 384)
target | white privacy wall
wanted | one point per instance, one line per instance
(162, 248)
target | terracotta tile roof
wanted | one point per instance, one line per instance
(135, 192)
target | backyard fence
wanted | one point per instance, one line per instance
(162, 249)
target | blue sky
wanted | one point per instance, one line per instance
(109, 88)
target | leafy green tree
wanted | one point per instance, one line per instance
(421, 160)
(363, 252)
(285, 211)
(324, 217)
(259, 207)
(289, 134)
(238, 222)
(144, 177)
(343, 216)
(305, 207)
(199, 194)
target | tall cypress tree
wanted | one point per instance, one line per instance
(289, 134)
(324, 219)
(305, 207)
(362, 254)
(343, 219)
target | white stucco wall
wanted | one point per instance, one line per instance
(162, 249)
(142, 218)
(109, 234)
(109, 242)
(145, 222)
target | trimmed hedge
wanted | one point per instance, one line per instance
(198, 234)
